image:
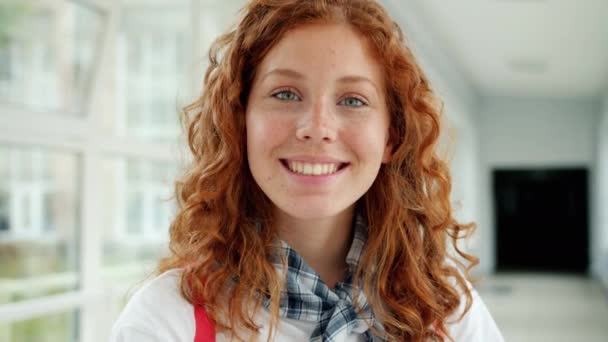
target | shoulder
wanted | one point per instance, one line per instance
(156, 312)
(477, 325)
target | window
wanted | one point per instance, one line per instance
(39, 219)
(88, 153)
(48, 51)
(56, 327)
(4, 213)
(39, 193)
(151, 70)
(137, 202)
(5, 63)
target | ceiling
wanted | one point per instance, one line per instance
(539, 48)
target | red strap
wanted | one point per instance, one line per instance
(205, 331)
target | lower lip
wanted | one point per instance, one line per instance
(313, 180)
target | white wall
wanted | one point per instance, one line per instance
(461, 104)
(454, 86)
(600, 260)
(520, 132)
(458, 94)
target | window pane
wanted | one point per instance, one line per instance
(38, 222)
(147, 77)
(215, 18)
(138, 206)
(60, 327)
(47, 53)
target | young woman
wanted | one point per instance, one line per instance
(316, 207)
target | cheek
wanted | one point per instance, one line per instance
(252, 128)
(367, 141)
(264, 132)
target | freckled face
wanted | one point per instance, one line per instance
(317, 121)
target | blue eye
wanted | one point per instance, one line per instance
(286, 95)
(352, 102)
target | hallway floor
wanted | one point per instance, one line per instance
(555, 308)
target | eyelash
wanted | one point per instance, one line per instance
(363, 103)
(284, 91)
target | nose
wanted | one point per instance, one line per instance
(318, 124)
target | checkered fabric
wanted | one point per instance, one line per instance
(308, 298)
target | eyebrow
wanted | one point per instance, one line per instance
(283, 72)
(358, 79)
(294, 74)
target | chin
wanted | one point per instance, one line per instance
(313, 211)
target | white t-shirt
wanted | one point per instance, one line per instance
(158, 313)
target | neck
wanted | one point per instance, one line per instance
(322, 242)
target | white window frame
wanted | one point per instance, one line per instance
(26, 199)
(147, 80)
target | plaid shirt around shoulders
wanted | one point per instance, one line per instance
(308, 298)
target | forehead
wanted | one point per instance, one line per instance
(322, 46)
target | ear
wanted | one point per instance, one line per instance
(387, 156)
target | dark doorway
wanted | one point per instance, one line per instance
(542, 220)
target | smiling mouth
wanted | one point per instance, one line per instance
(313, 169)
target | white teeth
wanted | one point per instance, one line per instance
(312, 169)
(325, 169)
(307, 169)
(317, 169)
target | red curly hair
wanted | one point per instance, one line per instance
(216, 236)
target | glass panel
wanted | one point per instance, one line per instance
(138, 206)
(39, 196)
(60, 327)
(148, 70)
(48, 50)
(215, 18)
